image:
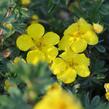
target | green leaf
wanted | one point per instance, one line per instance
(101, 48)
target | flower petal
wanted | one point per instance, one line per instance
(67, 55)
(51, 38)
(107, 95)
(79, 45)
(51, 52)
(68, 76)
(36, 31)
(83, 71)
(35, 56)
(84, 26)
(24, 42)
(81, 59)
(91, 38)
(58, 66)
(71, 29)
(65, 42)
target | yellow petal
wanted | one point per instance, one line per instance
(51, 38)
(84, 26)
(82, 70)
(107, 95)
(51, 52)
(58, 66)
(67, 55)
(24, 42)
(106, 86)
(65, 42)
(81, 59)
(80, 26)
(70, 56)
(79, 45)
(35, 56)
(71, 29)
(36, 31)
(68, 76)
(91, 38)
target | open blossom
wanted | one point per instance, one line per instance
(41, 46)
(69, 65)
(77, 36)
(57, 98)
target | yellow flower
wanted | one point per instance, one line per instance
(97, 28)
(77, 36)
(106, 86)
(69, 65)
(25, 2)
(41, 45)
(57, 98)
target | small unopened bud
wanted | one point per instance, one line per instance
(34, 18)
(25, 2)
(18, 59)
(97, 28)
(8, 26)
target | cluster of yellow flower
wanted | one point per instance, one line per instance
(57, 98)
(72, 62)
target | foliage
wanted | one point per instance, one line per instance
(23, 84)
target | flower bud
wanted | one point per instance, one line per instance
(97, 28)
